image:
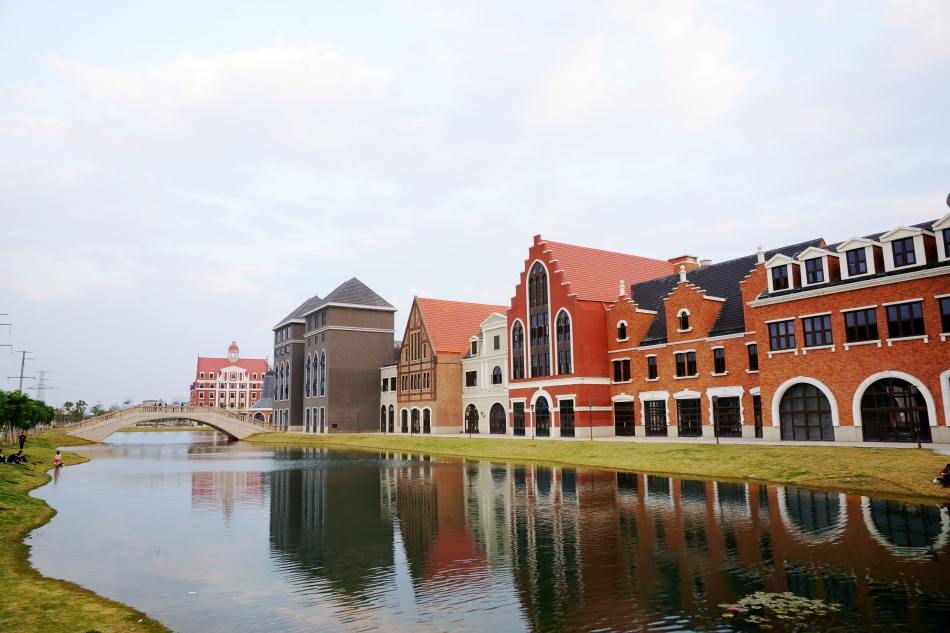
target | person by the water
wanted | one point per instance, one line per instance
(58, 460)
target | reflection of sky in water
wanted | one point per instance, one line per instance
(296, 539)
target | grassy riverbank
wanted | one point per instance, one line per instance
(893, 473)
(32, 602)
(165, 429)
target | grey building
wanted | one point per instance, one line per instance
(289, 365)
(346, 338)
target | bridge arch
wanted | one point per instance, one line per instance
(237, 425)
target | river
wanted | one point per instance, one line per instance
(206, 535)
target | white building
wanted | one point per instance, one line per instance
(485, 379)
(387, 399)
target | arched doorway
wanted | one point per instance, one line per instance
(392, 418)
(382, 419)
(471, 419)
(415, 420)
(894, 410)
(405, 421)
(542, 417)
(496, 420)
(426, 421)
(805, 414)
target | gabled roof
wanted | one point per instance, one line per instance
(217, 365)
(351, 293)
(297, 315)
(718, 280)
(594, 274)
(451, 323)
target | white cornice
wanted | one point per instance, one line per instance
(858, 285)
(557, 382)
(356, 306)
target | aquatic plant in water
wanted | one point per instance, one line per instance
(761, 607)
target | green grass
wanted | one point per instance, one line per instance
(31, 602)
(892, 473)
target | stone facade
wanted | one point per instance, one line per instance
(485, 380)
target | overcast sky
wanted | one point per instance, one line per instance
(178, 175)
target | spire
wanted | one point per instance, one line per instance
(233, 352)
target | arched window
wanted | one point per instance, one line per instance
(497, 420)
(517, 351)
(307, 378)
(684, 319)
(313, 377)
(405, 421)
(538, 315)
(415, 420)
(622, 331)
(471, 419)
(805, 414)
(565, 364)
(907, 530)
(382, 419)
(542, 417)
(392, 418)
(323, 373)
(817, 517)
(426, 421)
(894, 410)
(496, 378)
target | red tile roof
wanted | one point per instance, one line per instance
(452, 323)
(595, 275)
(217, 365)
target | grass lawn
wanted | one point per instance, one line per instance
(892, 473)
(32, 602)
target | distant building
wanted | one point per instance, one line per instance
(288, 366)
(230, 382)
(485, 379)
(387, 398)
(263, 409)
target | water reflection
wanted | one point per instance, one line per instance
(361, 540)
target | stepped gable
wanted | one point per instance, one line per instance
(718, 280)
(352, 292)
(297, 314)
(594, 274)
(452, 323)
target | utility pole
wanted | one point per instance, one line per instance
(41, 386)
(1, 324)
(22, 367)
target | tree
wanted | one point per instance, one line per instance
(98, 409)
(80, 410)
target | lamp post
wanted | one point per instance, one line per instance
(533, 421)
(590, 418)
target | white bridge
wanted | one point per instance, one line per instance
(235, 424)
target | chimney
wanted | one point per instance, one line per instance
(623, 289)
(689, 261)
(760, 254)
(682, 273)
(703, 263)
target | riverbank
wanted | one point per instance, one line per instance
(165, 429)
(905, 474)
(32, 602)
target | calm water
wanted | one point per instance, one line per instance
(210, 536)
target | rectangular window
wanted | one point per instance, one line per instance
(651, 367)
(817, 330)
(945, 306)
(782, 335)
(780, 278)
(392, 384)
(719, 359)
(618, 372)
(906, 319)
(567, 418)
(757, 415)
(860, 325)
(689, 417)
(497, 342)
(815, 270)
(946, 242)
(681, 365)
(385, 384)
(655, 414)
(323, 319)
(691, 364)
(904, 252)
(625, 365)
(564, 362)
(857, 262)
(517, 368)
(471, 377)
(517, 418)
(753, 357)
(201, 396)
(686, 364)
(474, 348)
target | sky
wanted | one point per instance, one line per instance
(178, 175)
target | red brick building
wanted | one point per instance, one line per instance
(231, 382)
(559, 380)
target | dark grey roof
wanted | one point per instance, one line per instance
(297, 315)
(718, 280)
(352, 292)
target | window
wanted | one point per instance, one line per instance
(306, 379)
(517, 348)
(860, 325)
(201, 375)
(753, 357)
(517, 418)
(686, 364)
(541, 364)
(655, 417)
(946, 242)
(624, 419)
(539, 321)
(211, 375)
(805, 414)
(945, 307)
(621, 370)
(651, 368)
(780, 278)
(201, 396)
(621, 331)
(425, 380)
(906, 319)
(689, 417)
(817, 330)
(684, 320)
(497, 342)
(254, 376)
(563, 327)
(323, 372)
(471, 378)
(719, 360)
(385, 384)
(496, 376)
(904, 252)
(567, 417)
(564, 362)
(474, 348)
(323, 318)
(815, 270)
(857, 262)
(563, 344)
(782, 335)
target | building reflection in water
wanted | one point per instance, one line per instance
(574, 549)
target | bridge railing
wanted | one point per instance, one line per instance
(240, 417)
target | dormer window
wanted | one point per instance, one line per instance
(904, 252)
(857, 262)
(201, 375)
(780, 278)
(621, 331)
(815, 270)
(684, 320)
(474, 348)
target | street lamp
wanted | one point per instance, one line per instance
(590, 418)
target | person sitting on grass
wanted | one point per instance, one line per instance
(944, 476)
